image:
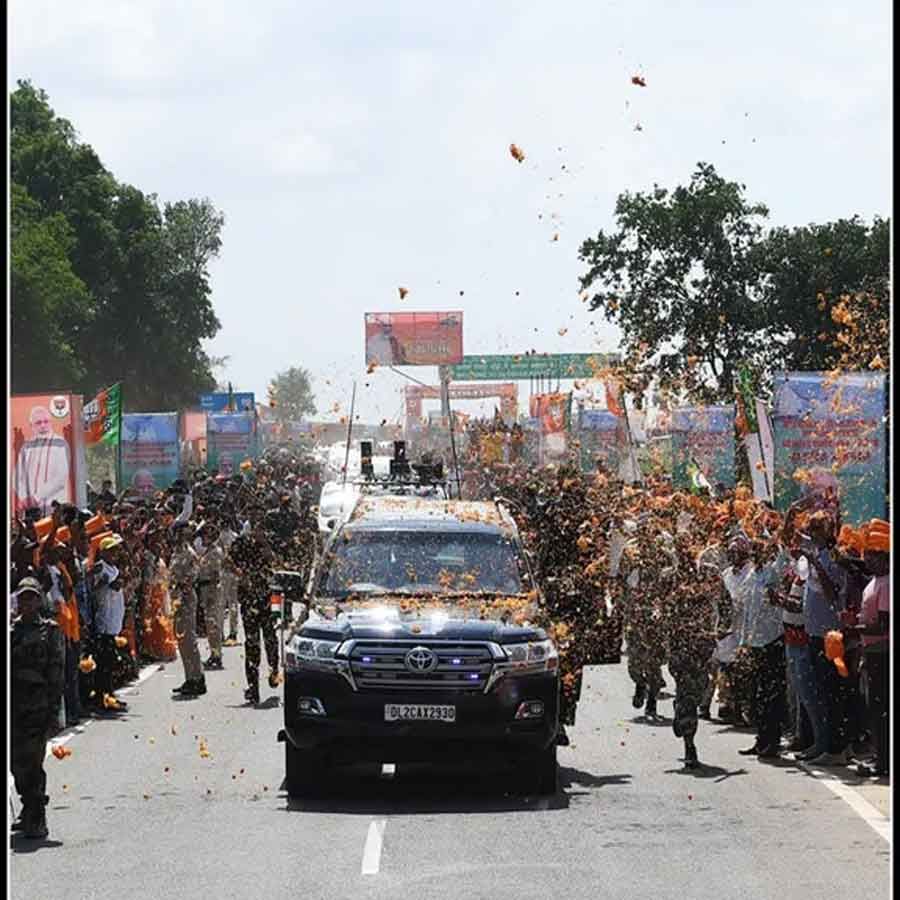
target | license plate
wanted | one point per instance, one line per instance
(418, 712)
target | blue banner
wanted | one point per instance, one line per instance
(150, 451)
(216, 403)
(830, 437)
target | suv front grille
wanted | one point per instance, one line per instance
(381, 665)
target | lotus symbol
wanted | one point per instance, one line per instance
(421, 660)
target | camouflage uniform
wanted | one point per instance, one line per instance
(645, 636)
(693, 614)
(38, 671)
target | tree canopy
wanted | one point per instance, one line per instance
(701, 290)
(291, 396)
(106, 285)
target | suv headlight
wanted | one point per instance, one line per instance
(534, 656)
(304, 652)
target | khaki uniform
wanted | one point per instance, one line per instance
(182, 571)
(229, 584)
(209, 594)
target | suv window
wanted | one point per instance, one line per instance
(432, 562)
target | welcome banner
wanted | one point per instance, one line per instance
(150, 451)
(703, 447)
(230, 439)
(830, 437)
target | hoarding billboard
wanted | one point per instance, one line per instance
(830, 434)
(231, 438)
(414, 339)
(151, 457)
(47, 457)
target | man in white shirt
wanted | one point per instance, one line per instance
(762, 636)
(109, 617)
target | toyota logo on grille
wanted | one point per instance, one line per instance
(421, 659)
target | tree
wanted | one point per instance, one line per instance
(144, 305)
(291, 392)
(812, 277)
(681, 278)
(52, 304)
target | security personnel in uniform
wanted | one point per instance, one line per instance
(182, 572)
(38, 673)
(692, 613)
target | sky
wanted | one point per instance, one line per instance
(358, 147)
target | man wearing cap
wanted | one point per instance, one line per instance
(109, 617)
(182, 572)
(37, 669)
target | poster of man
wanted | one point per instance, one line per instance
(143, 483)
(150, 451)
(46, 455)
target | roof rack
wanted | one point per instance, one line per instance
(402, 475)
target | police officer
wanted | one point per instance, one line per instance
(37, 667)
(182, 572)
(210, 558)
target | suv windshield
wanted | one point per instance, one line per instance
(414, 562)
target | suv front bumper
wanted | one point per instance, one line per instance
(353, 727)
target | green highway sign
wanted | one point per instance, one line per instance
(503, 367)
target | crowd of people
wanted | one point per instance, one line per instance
(781, 620)
(98, 592)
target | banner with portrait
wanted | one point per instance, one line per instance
(230, 439)
(47, 458)
(151, 453)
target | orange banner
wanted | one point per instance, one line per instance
(414, 339)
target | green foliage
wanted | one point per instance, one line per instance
(126, 296)
(699, 289)
(680, 277)
(292, 393)
(807, 270)
(52, 305)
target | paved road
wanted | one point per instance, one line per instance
(137, 811)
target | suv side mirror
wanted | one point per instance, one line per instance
(330, 524)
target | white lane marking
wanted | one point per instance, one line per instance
(879, 823)
(388, 770)
(67, 736)
(371, 860)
